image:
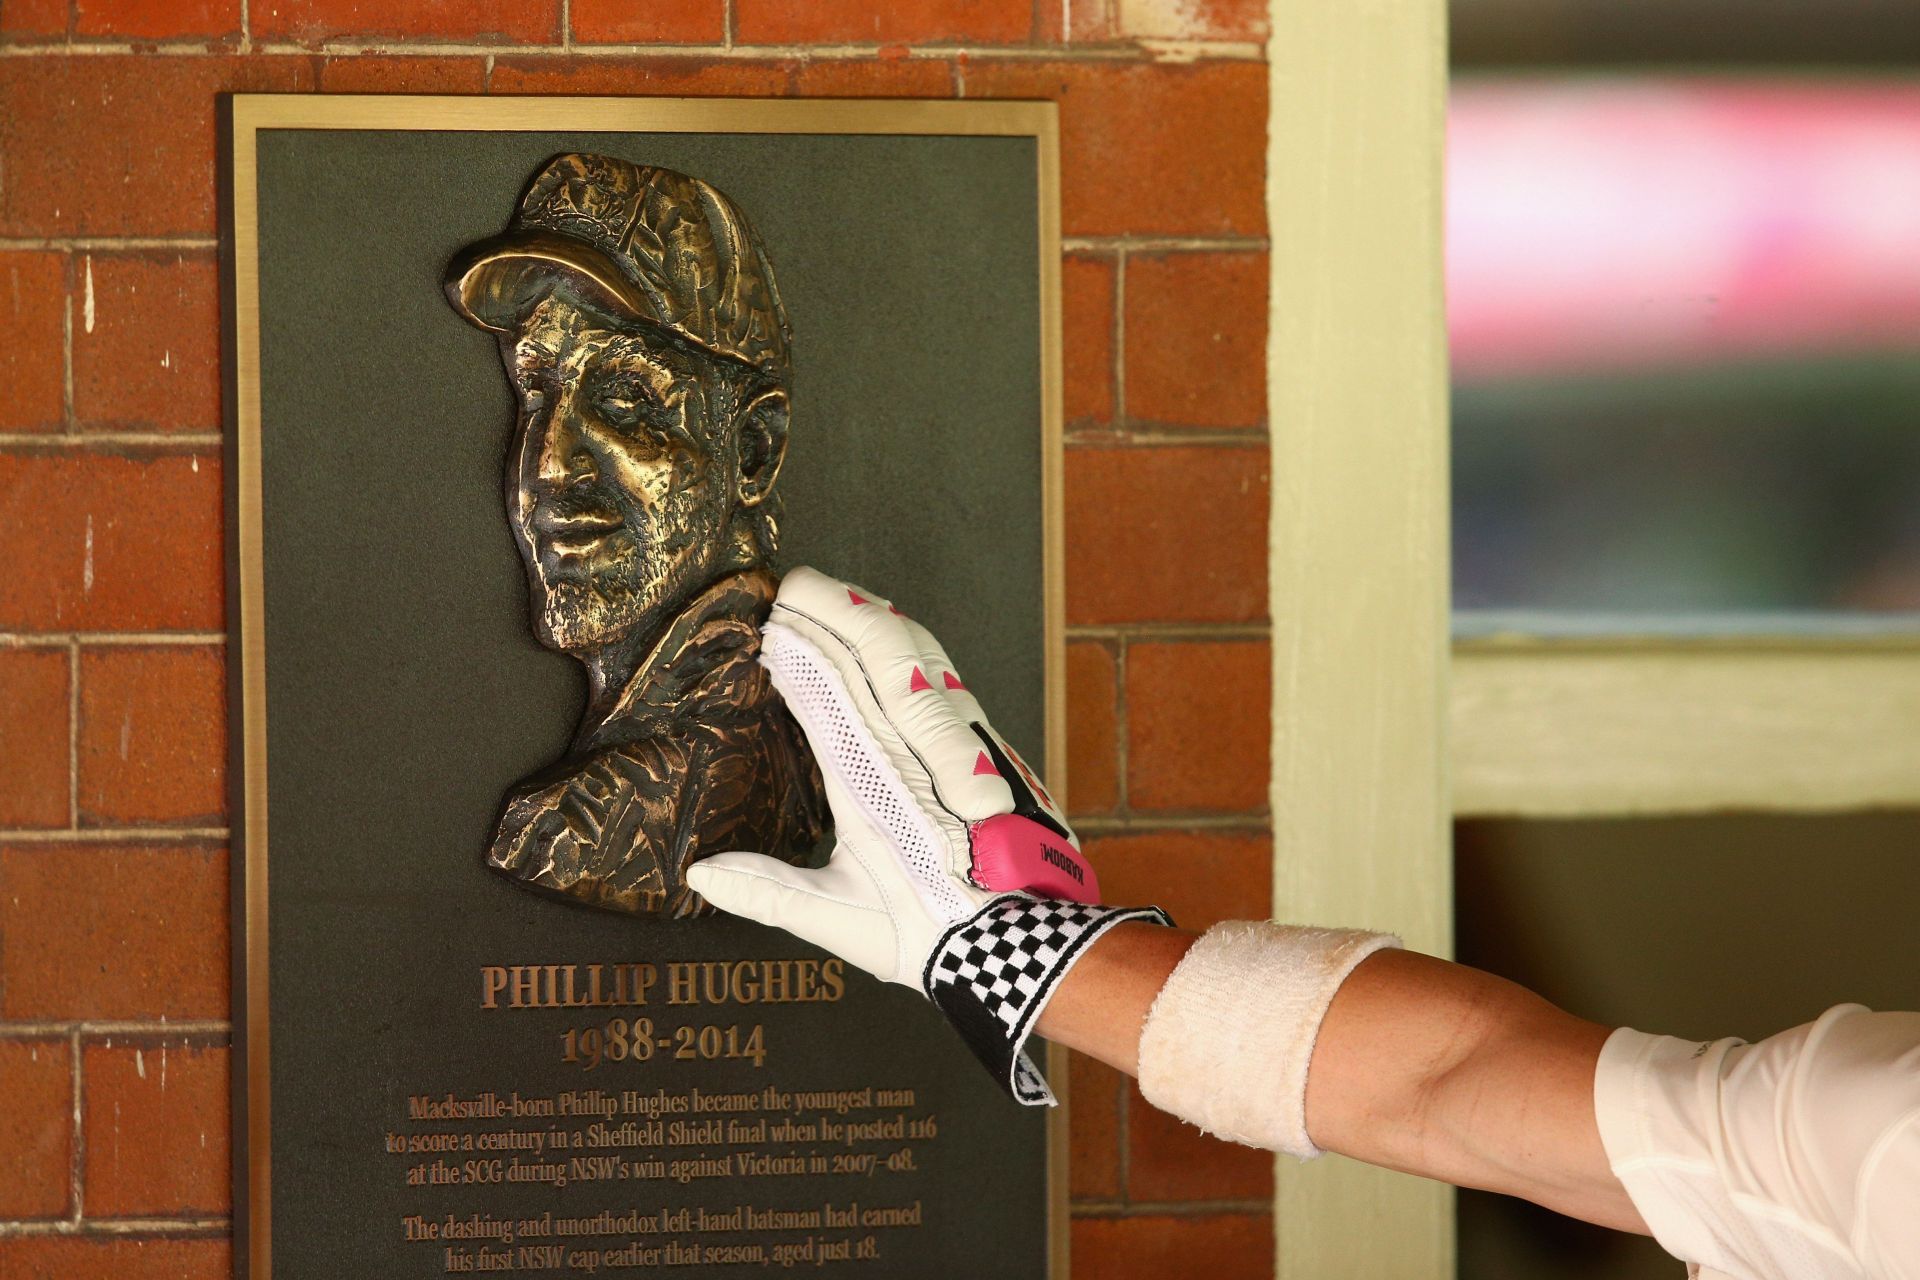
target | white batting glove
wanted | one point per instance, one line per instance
(954, 873)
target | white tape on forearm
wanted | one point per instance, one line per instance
(1227, 1043)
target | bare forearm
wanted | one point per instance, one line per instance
(1102, 1003)
(1437, 1069)
(1420, 1065)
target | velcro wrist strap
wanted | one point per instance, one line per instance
(992, 973)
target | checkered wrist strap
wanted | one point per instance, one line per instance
(993, 973)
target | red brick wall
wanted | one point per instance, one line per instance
(113, 881)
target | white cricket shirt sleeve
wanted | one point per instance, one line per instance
(1796, 1158)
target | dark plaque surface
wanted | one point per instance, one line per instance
(467, 1077)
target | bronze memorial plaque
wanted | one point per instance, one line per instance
(531, 402)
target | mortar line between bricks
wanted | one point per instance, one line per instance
(1123, 436)
(115, 835)
(109, 439)
(86, 244)
(1170, 824)
(53, 639)
(66, 347)
(107, 1227)
(1176, 52)
(73, 733)
(1170, 1208)
(73, 647)
(76, 1190)
(726, 23)
(246, 26)
(566, 25)
(1119, 336)
(1163, 244)
(1120, 738)
(1143, 52)
(115, 1027)
(1138, 631)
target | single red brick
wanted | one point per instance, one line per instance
(1164, 534)
(156, 1128)
(33, 20)
(1219, 1246)
(153, 735)
(33, 739)
(36, 1129)
(1086, 288)
(694, 77)
(104, 542)
(33, 301)
(120, 145)
(1198, 725)
(1197, 339)
(649, 21)
(1091, 21)
(314, 22)
(50, 1257)
(146, 342)
(156, 19)
(105, 932)
(1170, 1160)
(1075, 21)
(1200, 877)
(1149, 148)
(1244, 20)
(873, 78)
(373, 73)
(1094, 1124)
(901, 22)
(1093, 746)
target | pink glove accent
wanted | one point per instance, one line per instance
(1013, 854)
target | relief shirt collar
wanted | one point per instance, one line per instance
(699, 654)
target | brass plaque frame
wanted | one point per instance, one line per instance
(250, 116)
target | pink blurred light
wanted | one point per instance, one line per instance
(1621, 224)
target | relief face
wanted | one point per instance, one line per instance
(649, 354)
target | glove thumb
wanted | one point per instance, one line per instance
(812, 904)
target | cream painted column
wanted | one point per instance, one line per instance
(1357, 395)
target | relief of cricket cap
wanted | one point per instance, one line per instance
(640, 243)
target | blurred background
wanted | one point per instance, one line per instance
(1683, 255)
(1683, 263)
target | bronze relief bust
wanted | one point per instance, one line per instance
(649, 353)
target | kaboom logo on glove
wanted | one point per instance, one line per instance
(1030, 849)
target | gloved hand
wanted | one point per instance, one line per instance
(953, 872)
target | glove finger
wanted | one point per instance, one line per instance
(1025, 844)
(868, 793)
(933, 656)
(817, 906)
(883, 654)
(992, 752)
